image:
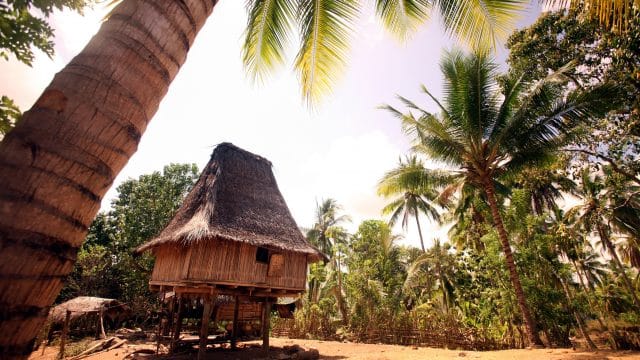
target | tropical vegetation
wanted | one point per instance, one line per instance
(535, 170)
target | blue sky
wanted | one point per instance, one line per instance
(339, 149)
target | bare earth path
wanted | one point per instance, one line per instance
(336, 351)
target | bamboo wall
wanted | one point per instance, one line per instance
(228, 262)
(246, 311)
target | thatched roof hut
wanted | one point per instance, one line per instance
(86, 305)
(233, 235)
(236, 198)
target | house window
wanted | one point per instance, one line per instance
(262, 255)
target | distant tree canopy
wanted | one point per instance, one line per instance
(24, 27)
(597, 56)
(106, 266)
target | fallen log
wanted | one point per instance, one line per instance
(101, 348)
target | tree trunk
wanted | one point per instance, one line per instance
(530, 324)
(60, 160)
(420, 233)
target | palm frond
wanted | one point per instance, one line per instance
(326, 28)
(442, 108)
(480, 23)
(402, 17)
(267, 34)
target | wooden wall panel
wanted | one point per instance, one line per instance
(227, 262)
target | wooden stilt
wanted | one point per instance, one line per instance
(266, 319)
(103, 335)
(234, 332)
(65, 333)
(167, 329)
(177, 324)
(204, 328)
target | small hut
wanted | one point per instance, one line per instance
(87, 312)
(234, 236)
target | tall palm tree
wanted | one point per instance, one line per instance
(411, 184)
(594, 216)
(60, 160)
(486, 134)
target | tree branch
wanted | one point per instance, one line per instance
(611, 162)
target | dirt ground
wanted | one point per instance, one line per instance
(337, 350)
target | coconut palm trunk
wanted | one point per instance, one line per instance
(420, 231)
(61, 159)
(530, 324)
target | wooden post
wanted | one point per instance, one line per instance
(266, 319)
(65, 332)
(204, 328)
(103, 335)
(169, 327)
(177, 324)
(234, 332)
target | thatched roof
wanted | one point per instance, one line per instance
(236, 198)
(83, 305)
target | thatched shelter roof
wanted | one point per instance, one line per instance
(84, 305)
(236, 198)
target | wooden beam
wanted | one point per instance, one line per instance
(211, 289)
(204, 328)
(234, 332)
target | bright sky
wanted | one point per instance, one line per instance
(339, 150)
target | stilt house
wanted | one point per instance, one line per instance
(233, 235)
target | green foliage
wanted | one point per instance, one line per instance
(9, 115)
(597, 56)
(106, 266)
(376, 275)
(24, 25)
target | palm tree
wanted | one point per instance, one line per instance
(60, 160)
(329, 236)
(438, 261)
(546, 185)
(410, 183)
(594, 215)
(485, 134)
